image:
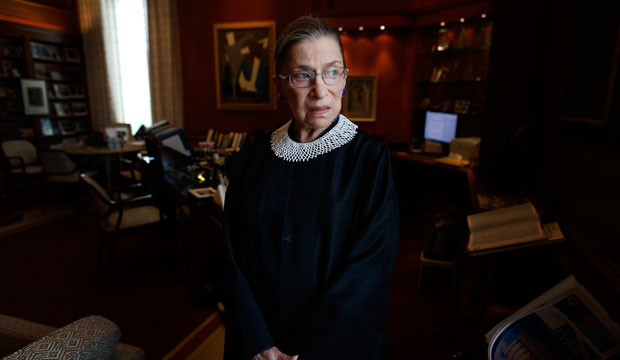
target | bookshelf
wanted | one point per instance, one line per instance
(56, 58)
(451, 72)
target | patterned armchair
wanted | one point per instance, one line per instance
(91, 337)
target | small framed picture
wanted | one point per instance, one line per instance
(202, 192)
(3, 71)
(68, 127)
(72, 55)
(34, 94)
(47, 128)
(120, 132)
(360, 99)
(461, 106)
(62, 109)
(78, 109)
(62, 91)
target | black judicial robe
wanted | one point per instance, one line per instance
(311, 248)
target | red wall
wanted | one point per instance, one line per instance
(380, 53)
(389, 55)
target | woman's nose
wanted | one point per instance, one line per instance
(319, 87)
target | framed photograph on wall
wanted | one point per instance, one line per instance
(244, 65)
(360, 98)
(34, 94)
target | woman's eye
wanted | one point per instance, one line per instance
(331, 72)
(302, 76)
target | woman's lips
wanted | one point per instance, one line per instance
(319, 110)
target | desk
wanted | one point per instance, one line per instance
(105, 153)
(468, 172)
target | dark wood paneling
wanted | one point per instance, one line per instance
(58, 15)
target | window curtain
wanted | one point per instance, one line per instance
(165, 62)
(101, 61)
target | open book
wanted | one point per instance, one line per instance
(566, 322)
(509, 227)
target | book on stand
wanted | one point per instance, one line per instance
(509, 228)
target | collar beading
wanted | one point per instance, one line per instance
(287, 149)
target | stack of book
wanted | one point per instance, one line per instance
(221, 140)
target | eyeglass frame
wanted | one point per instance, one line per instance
(313, 78)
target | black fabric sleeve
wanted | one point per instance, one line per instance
(246, 332)
(347, 319)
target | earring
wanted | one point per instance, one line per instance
(281, 97)
(343, 90)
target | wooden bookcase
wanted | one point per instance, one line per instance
(57, 59)
(451, 71)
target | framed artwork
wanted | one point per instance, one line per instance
(244, 65)
(461, 106)
(360, 99)
(34, 94)
(119, 132)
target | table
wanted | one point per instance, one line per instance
(107, 154)
(468, 172)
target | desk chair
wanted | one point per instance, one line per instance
(60, 170)
(117, 217)
(22, 159)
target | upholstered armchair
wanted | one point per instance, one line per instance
(21, 158)
(91, 337)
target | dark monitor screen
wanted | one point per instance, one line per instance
(440, 126)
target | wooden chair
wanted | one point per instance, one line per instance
(118, 216)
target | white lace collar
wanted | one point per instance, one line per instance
(287, 149)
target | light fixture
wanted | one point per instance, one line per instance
(462, 20)
(382, 27)
(340, 29)
(443, 23)
(484, 16)
(361, 28)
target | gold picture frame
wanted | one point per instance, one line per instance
(244, 65)
(360, 99)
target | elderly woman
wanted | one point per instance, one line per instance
(311, 219)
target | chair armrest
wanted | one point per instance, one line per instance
(91, 337)
(136, 201)
(16, 333)
(125, 188)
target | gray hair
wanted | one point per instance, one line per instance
(303, 29)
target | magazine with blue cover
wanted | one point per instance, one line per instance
(565, 322)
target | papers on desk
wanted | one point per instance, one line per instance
(565, 322)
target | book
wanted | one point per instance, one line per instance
(565, 322)
(508, 228)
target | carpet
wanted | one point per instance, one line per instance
(206, 342)
(34, 217)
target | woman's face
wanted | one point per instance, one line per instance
(314, 107)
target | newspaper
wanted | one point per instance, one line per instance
(565, 322)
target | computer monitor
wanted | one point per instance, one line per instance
(440, 126)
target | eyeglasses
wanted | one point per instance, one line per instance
(305, 78)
